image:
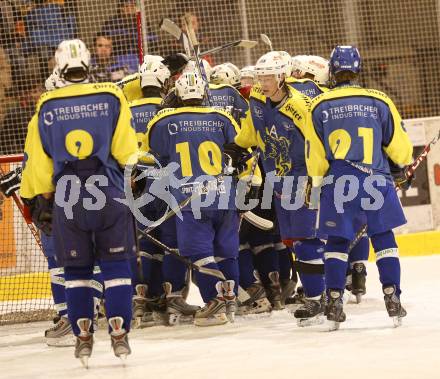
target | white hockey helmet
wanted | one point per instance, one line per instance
(191, 67)
(288, 61)
(271, 63)
(226, 73)
(190, 85)
(298, 65)
(247, 72)
(72, 55)
(153, 72)
(54, 81)
(318, 67)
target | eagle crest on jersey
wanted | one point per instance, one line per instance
(277, 148)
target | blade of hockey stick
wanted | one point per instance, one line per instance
(247, 44)
(266, 40)
(170, 27)
(186, 261)
(257, 221)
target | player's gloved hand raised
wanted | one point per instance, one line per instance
(41, 213)
(10, 182)
(236, 154)
(175, 62)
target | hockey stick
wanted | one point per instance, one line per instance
(409, 172)
(22, 209)
(170, 27)
(186, 261)
(247, 44)
(266, 40)
(139, 31)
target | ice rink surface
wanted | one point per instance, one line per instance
(272, 346)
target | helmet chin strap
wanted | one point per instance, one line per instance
(280, 85)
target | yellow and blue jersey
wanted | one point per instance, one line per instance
(193, 138)
(358, 125)
(223, 95)
(75, 123)
(278, 131)
(307, 87)
(143, 110)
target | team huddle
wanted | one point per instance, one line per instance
(261, 186)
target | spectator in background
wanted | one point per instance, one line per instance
(5, 83)
(13, 133)
(122, 29)
(104, 66)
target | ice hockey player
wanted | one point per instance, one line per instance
(275, 123)
(310, 75)
(77, 142)
(247, 81)
(357, 162)
(192, 136)
(157, 269)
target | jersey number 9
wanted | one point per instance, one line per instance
(79, 143)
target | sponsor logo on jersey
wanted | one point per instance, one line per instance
(258, 112)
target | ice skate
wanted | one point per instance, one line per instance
(177, 309)
(257, 302)
(273, 291)
(60, 334)
(119, 338)
(84, 341)
(359, 277)
(230, 299)
(287, 289)
(310, 313)
(334, 309)
(393, 305)
(214, 312)
(139, 305)
(298, 298)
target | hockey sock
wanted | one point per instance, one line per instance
(387, 259)
(57, 285)
(336, 262)
(174, 272)
(134, 270)
(79, 294)
(118, 290)
(229, 268)
(285, 261)
(206, 283)
(266, 261)
(311, 251)
(360, 251)
(97, 285)
(246, 268)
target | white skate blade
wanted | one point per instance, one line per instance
(358, 298)
(397, 321)
(333, 326)
(123, 358)
(231, 317)
(218, 319)
(304, 322)
(85, 361)
(64, 341)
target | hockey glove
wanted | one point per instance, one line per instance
(175, 62)
(401, 180)
(10, 182)
(235, 154)
(41, 213)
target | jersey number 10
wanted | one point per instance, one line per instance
(209, 156)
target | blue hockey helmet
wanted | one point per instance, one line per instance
(345, 58)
